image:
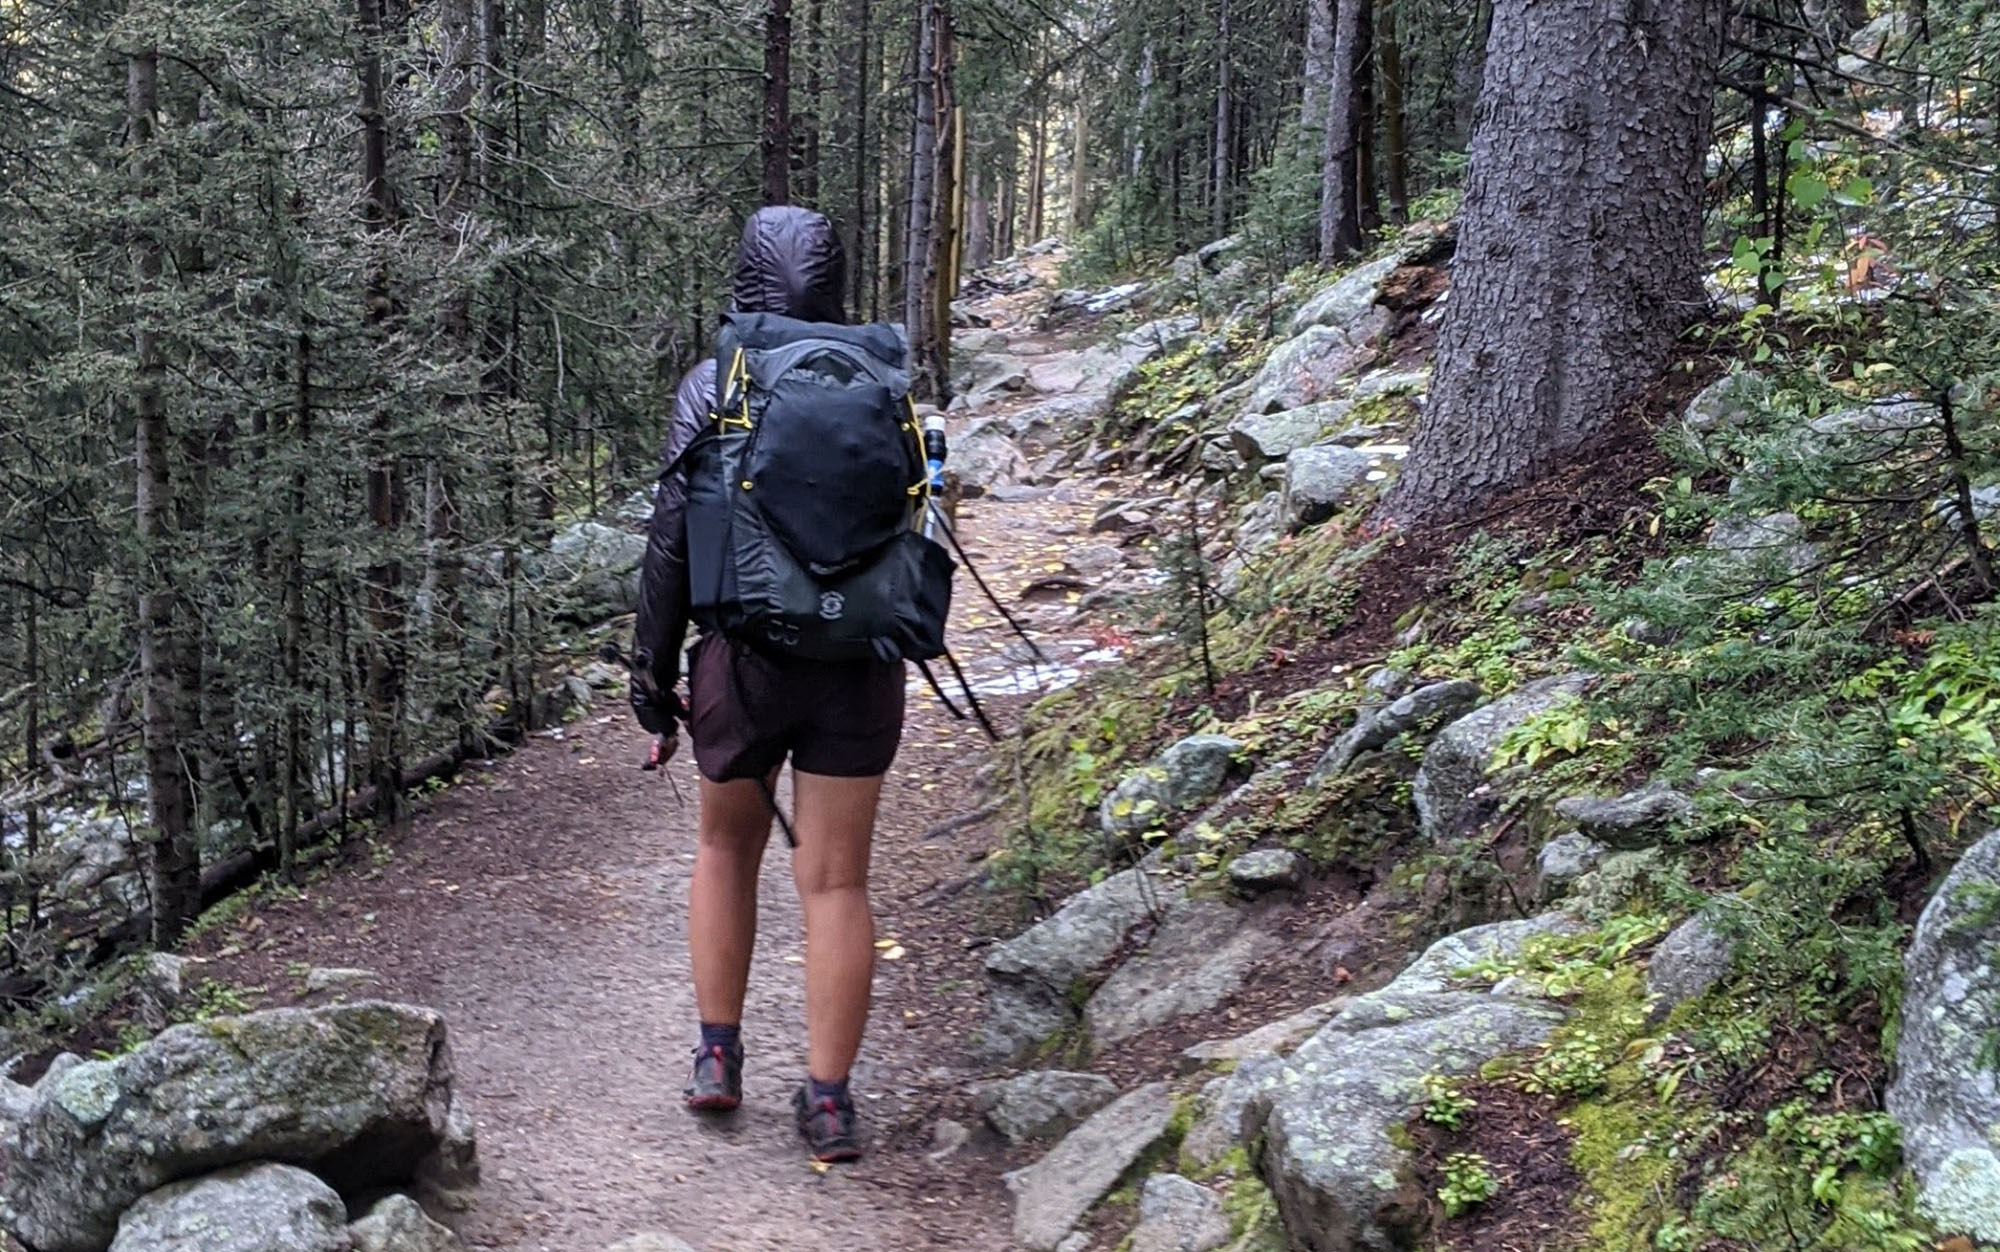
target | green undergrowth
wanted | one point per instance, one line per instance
(1686, 1132)
(1077, 744)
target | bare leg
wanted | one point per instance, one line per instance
(836, 825)
(722, 900)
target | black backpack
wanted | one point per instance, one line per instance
(807, 494)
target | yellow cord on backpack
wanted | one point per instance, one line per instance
(736, 384)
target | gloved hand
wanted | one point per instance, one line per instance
(660, 712)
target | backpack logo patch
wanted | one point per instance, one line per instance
(832, 605)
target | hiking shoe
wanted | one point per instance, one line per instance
(828, 1126)
(717, 1084)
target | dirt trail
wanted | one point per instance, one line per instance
(540, 906)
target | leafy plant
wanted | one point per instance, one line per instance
(1563, 729)
(1467, 1182)
(215, 998)
(1574, 1066)
(1445, 1102)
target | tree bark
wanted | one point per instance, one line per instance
(1079, 172)
(1368, 201)
(866, 178)
(777, 139)
(978, 244)
(1579, 248)
(1038, 164)
(931, 253)
(917, 286)
(805, 125)
(1340, 202)
(1395, 137)
(1219, 154)
(382, 595)
(1318, 67)
(947, 217)
(175, 855)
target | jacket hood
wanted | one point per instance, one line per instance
(790, 262)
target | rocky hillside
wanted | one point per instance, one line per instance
(1611, 871)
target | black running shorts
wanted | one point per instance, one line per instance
(747, 712)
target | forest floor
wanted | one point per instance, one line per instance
(539, 905)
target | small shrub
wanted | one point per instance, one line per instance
(1445, 1102)
(1468, 1182)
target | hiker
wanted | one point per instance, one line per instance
(810, 590)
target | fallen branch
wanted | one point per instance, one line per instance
(963, 820)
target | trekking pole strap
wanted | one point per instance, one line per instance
(784, 823)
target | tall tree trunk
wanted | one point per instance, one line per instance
(1395, 126)
(1340, 201)
(1368, 201)
(932, 239)
(866, 177)
(1318, 67)
(31, 735)
(1143, 123)
(978, 244)
(1225, 86)
(1079, 172)
(175, 855)
(1469, 67)
(805, 125)
(917, 286)
(292, 642)
(1586, 173)
(947, 215)
(777, 140)
(1038, 166)
(1008, 193)
(383, 594)
(456, 204)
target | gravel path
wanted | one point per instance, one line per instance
(540, 905)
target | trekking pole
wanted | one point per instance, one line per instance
(934, 454)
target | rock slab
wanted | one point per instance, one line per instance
(1203, 952)
(1946, 1092)
(1349, 299)
(1272, 1039)
(1031, 976)
(1690, 961)
(1309, 367)
(1456, 762)
(1054, 1193)
(1261, 437)
(1042, 1104)
(398, 1224)
(1320, 480)
(600, 568)
(1332, 1154)
(1377, 727)
(360, 1094)
(1176, 1215)
(252, 1208)
(1186, 774)
(1638, 819)
(1267, 870)
(985, 456)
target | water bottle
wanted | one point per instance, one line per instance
(934, 449)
